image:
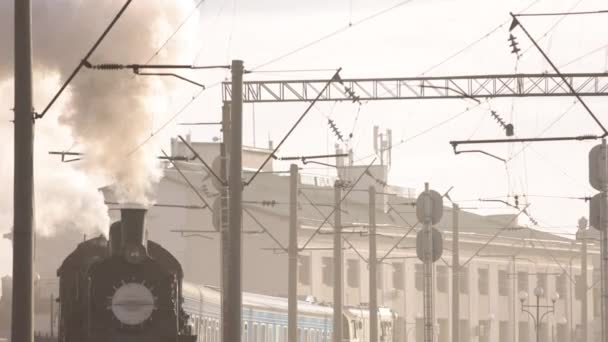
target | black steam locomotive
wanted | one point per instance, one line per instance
(126, 289)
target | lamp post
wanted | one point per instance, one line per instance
(538, 318)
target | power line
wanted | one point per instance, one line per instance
(335, 77)
(561, 116)
(82, 62)
(173, 117)
(552, 27)
(215, 20)
(468, 46)
(584, 55)
(425, 131)
(179, 27)
(560, 13)
(331, 34)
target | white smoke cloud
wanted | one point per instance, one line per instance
(106, 115)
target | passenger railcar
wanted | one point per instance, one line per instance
(265, 318)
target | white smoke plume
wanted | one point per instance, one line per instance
(106, 115)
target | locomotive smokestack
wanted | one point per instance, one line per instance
(133, 237)
(115, 243)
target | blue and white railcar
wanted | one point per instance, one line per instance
(265, 318)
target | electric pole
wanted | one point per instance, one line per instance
(292, 318)
(23, 191)
(455, 275)
(232, 298)
(338, 276)
(373, 263)
(223, 214)
(582, 227)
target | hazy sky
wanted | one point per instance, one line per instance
(406, 41)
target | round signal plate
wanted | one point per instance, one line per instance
(133, 303)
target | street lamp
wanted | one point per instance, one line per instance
(538, 292)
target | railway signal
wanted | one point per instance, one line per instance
(598, 217)
(429, 245)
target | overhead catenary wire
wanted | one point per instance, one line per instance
(561, 116)
(350, 189)
(264, 229)
(505, 227)
(552, 27)
(316, 207)
(256, 69)
(424, 131)
(188, 181)
(333, 33)
(179, 27)
(587, 54)
(295, 125)
(560, 13)
(82, 62)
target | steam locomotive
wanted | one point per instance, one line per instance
(126, 289)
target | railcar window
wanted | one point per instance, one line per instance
(216, 333)
(270, 333)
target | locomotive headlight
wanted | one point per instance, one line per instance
(133, 303)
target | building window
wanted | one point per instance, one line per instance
(419, 274)
(380, 276)
(304, 269)
(464, 280)
(524, 332)
(464, 330)
(504, 333)
(484, 330)
(562, 332)
(541, 281)
(522, 281)
(353, 278)
(399, 275)
(543, 332)
(419, 329)
(328, 270)
(579, 289)
(503, 283)
(442, 278)
(444, 330)
(483, 280)
(561, 282)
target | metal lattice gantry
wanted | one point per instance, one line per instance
(456, 87)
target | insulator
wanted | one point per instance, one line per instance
(109, 66)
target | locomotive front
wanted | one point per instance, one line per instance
(132, 296)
